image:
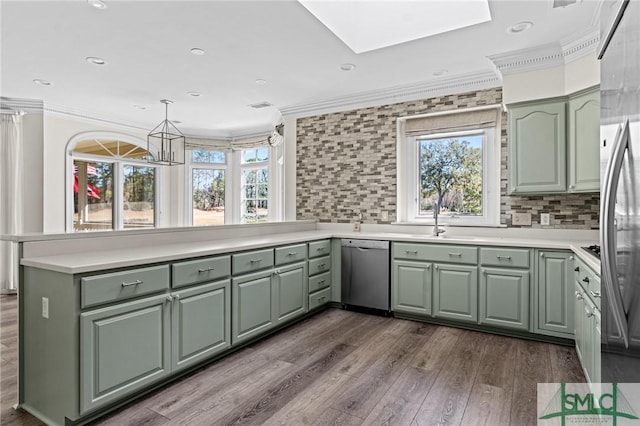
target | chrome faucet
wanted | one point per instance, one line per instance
(437, 231)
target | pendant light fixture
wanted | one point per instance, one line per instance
(165, 143)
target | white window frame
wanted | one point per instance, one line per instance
(228, 182)
(118, 177)
(407, 151)
(256, 165)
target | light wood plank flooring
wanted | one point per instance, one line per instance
(343, 368)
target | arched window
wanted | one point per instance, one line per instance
(110, 185)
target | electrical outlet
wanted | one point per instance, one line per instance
(521, 219)
(45, 307)
(384, 216)
(545, 219)
(356, 226)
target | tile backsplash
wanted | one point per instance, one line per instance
(346, 164)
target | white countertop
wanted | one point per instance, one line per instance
(99, 260)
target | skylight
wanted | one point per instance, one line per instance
(365, 25)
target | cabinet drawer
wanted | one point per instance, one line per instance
(319, 248)
(252, 261)
(319, 265)
(319, 281)
(290, 254)
(517, 258)
(106, 288)
(435, 252)
(319, 298)
(195, 271)
(590, 281)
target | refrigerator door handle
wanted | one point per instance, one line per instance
(609, 267)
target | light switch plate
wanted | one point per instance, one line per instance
(45, 307)
(523, 219)
(384, 216)
(545, 219)
(356, 226)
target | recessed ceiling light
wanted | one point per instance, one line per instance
(520, 27)
(347, 67)
(142, 107)
(440, 72)
(98, 4)
(194, 94)
(42, 82)
(197, 51)
(261, 81)
(95, 60)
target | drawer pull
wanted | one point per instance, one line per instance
(576, 269)
(411, 251)
(321, 298)
(321, 282)
(292, 254)
(500, 257)
(255, 260)
(578, 295)
(136, 282)
(594, 293)
(585, 280)
(455, 254)
(211, 268)
(321, 266)
(320, 249)
(589, 314)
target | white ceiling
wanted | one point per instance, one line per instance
(147, 48)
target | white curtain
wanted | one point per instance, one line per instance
(10, 197)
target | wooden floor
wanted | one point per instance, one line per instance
(345, 368)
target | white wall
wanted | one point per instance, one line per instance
(33, 177)
(547, 83)
(290, 168)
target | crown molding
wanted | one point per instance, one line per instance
(546, 56)
(428, 89)
(29, 106)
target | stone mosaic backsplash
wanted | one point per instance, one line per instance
(346, 163)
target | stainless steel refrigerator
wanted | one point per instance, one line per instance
(620, 186)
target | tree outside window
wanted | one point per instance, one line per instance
(450, 175)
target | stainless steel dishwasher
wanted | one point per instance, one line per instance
(365, 274)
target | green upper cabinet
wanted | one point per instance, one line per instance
(554, 144)
(584, 142)
(537, 147)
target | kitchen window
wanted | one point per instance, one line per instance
(254, 191)
(110, 185)
(208, 183)
(451, 158)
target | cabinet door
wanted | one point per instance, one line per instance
(200, 323)
(123, 348)
(292, 292)
(579, 320)
(455, 292)
(411, 287)
(254, 305)
(504, 298)
(537, 148)
(596, 334)
(555, 290)
(584, 143)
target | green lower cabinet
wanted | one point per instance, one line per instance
(264, 299)
(596, 334)
(292, 290)
(200, 323)
(411, 287)
(123, 348)
(579, 320)
(254, 305)
(504, 298)
(455, 292)
(555, 293)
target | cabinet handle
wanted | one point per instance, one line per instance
(571, 258)
(321, 282)
(292, 254)
(585, 280)
(577, 269)
(136, 282)
(276, 272)
(176, 297)
(541, 254)
(571, 186)
(321, 298)
(500, 256)
(455, 254)
(320, 249)
(411, 251)
(437, 267)
(210, 268)
(255, 260)
(428, 266)
(589, 314)
(322, 265)
(579, 295)
(169, 298)
(594, 293)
